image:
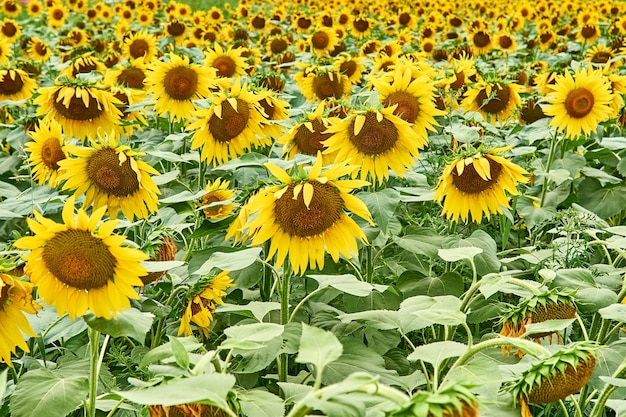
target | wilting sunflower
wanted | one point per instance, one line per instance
(81, 109)
(230, 127)
(186, 410)
(78, 265)
(16, 298)
(112, 175)
(227, 63)
(453, 401)
(130, 74)
(16, 85)
(175, 84)
(307, 137)
(556, 377)
(579, 103)
(45, 151)
(305, 216)
(414, 100)
(203, 299)
(477, 183)
(375, 140)
(140, 45)
(321, 84)
(217, 203)
(495, 101)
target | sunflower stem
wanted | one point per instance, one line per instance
(544, 190)
(598, 408)
(96, 357)
(369, 264)
(285, 286)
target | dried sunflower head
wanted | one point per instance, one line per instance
(452, 401)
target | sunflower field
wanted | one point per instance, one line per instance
(341, 208)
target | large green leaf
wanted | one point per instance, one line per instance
(257, 403)
(130, 322)
(348, 284)
(422, 311)
(166, 350)
(49, 392)
(254, 346)
(230, 261)
(533, 215)
(382, 205)
(605, 202)
(319, 347)
(437, 352)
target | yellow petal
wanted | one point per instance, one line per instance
(218, 110)
(296, 191)
(359, 121)
(307, 193)
(278, 172)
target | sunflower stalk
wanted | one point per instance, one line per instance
(96, 357)
(544, 189)
(285, 286)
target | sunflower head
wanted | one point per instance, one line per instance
(186, 410)
(162, 249)
(217, 203)
(453, 401)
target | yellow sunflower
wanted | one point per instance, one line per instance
(375, 140)
(203, 301)
(350, 66)
(56, 16)
(130, 119)
(228, 63)
(175, 84)
(306, 216)
(217, 203)
(320, 84)
(35, 8)
(10, 30)
(83, 65)
(481, 41)
(477, 184)
(323, 41)
(11, 8)
(413, 98)
(16, 298)
(505, 42)
(112, 175)
(16, 85)
(45, 151)
(82, 110)
(580, 102)
(230, 127)
(140, 45)
(495, 101)
(130, 74)
(78, 265)
(177, 29)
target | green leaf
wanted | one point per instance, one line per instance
(255, 332)
(182, 197)
(257, 403)
(181, 356)
(457, 254)
(591, 300)
(574, 279)
(166, 350)
(49, 392)
(230, 261)
(378, 319)
(600, 175)
(437, 352)
(548, 326)
(486, 261)
(615, 312)
(293, 393)
(532, 215)
(250, 358)
(382, 205)
(605, 202)
(205, 388)
(422, 311)
(259, 309)
(158, 266)
(319, 347)
(348, 284)
(3, 383)
(130, 322)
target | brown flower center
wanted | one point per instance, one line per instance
(138, 48)
(181, 83)
(304, 22)
(131, 77)
(176, 29)
(324, 87)
(481, 39)
(320, 40)
(58, 14)
(408, 105)
(258, 22)
(579, 102)
(278, 45)
(471, 183)
(404, 18)
(496, 102)
(51, 153)
(110, 176)
(40, 48)
(601, 57)
(455, 22)
(309, 143)
(83, 67)
(10, 86)
(79, 260)
(76, 109)
(588, 31)
(268, 108)
(348, 68)
(361, 25)
(225, 66)
(375, 138)
(505, 42)
(9, 29)
(232, 122)
(4, 295)
(324, 210)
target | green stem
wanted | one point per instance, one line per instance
(285, 286)
(158, 333)
(548, 166)
(369, 263)
(96, 356)
(598, 408)
(303, 301)
(115, 407)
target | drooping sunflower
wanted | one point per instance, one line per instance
(495, 101)
(321, 84)
(82, 110)
(130, 74)
(377, 141)
(217, 203)
(230, 127)
(204, 297)
(227, 63)
(175, 84)
(45, 151)
(140, 45)
(16, 298)
(79, 265)
(452, 401)
(414, 100)
(111, 175)
(476, 183)
(186, 410)
(305, 216)
(275, 110)
(16, 85)
(162, 249)
(580, 102)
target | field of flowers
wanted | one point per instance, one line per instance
(344, 208)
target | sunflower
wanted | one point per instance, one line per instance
(481, 41)
(16, 298)
(140, 45)
(307, 137)
(495, 101)
(505, 42)
(11, 8)
(230, 127)
(163, 249)
(414, 100)
(176, 29)
(131, 74)
(362, 26)
(320, 84)
(130, 119)
(588, 33)
(186, 410)
(452, 401)
(39, 50)
(228, 63)
(217, 203)
(10, 30)
(477, 183)
(144, 17)
(45, 151)
(56, 16)
(304, 217)
(350, 66)
(78, 265)
(323, 40)
(83, 65)
(35, 8)
(203, 298)
(175, 84)
(112, 175)
(600, 54)
(579, 103)
(275, 109)
(82, 111)
(375, 140)
(16, 85)
(547, 38)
